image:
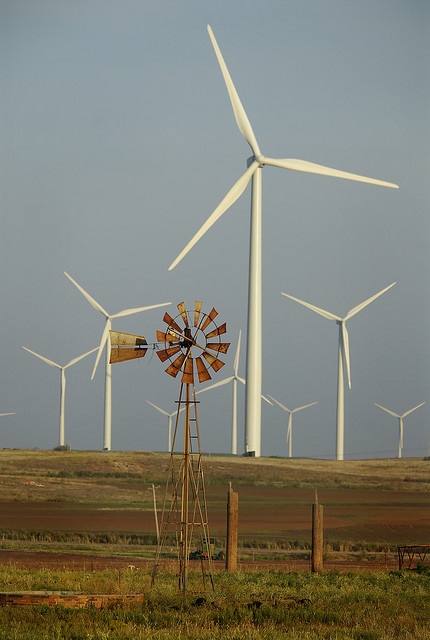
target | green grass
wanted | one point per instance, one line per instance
(252, 605)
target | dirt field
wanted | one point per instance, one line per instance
(384, 503)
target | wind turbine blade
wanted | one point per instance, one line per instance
(304, 407)
(361, 306)
(279, 404)
(159, 408)
(103, 341)
(221, 383)
(239, 112)
(241, 380)
(236, 357)
(8, 414)
(50, 362)
(129, 312)
(345, 345)
(395, 415)
(86, 295)
(410, 410)
(235, 192)
(322, 312)
(75, 360)
(311, 167)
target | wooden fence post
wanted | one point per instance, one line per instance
(232, 530)
(317, 536)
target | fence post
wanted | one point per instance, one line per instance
(232, 530)
(317, 536)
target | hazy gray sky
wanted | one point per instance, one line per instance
(118, 141)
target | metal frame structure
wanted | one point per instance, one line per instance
(191, 350)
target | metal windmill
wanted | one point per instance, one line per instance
(192, 346)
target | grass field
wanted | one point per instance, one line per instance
(245, 606)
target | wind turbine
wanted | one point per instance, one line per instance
(235, 378)
(400, 417)
(343, 358)
(62, 385)
(254, 171)
(170, 416)
(290, 422)
(107, 435)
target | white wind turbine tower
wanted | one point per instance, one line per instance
(254, 171)
(235, 378)
(343, 358)
(400, 418)
(107, 434)
(169, 426)
(62, 369)
(290, 422)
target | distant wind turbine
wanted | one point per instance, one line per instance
(62, 385)
(169, 427)
(343, 358)
(400, 418)
(235, 378)
(254, 173)
(289, 437)
(107, 435)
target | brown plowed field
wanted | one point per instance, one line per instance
(375, 502)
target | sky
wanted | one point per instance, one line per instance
(118, 140)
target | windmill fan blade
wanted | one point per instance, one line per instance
(410, 410)
(50, 362)
(188, 374)
(197, 310)
(221, 347)
(345, 342)
(182, 311)
(84, 355)
(105, 336)
(166, 337)
(321, 312)
(311, 167)
(221, 383)
(130, 312)
(214, 362)
(218, 331)
(236, 357)
(395, 415)
(86, 295)
(212, 315)
(167, 318)
(229, 199)
(164, 354)
(174, 368)
(361, 306)
(239, 112)
(202, 372)
(282, 406)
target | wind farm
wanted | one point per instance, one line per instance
(123, 173)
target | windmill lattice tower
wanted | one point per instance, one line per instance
(192, 344)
